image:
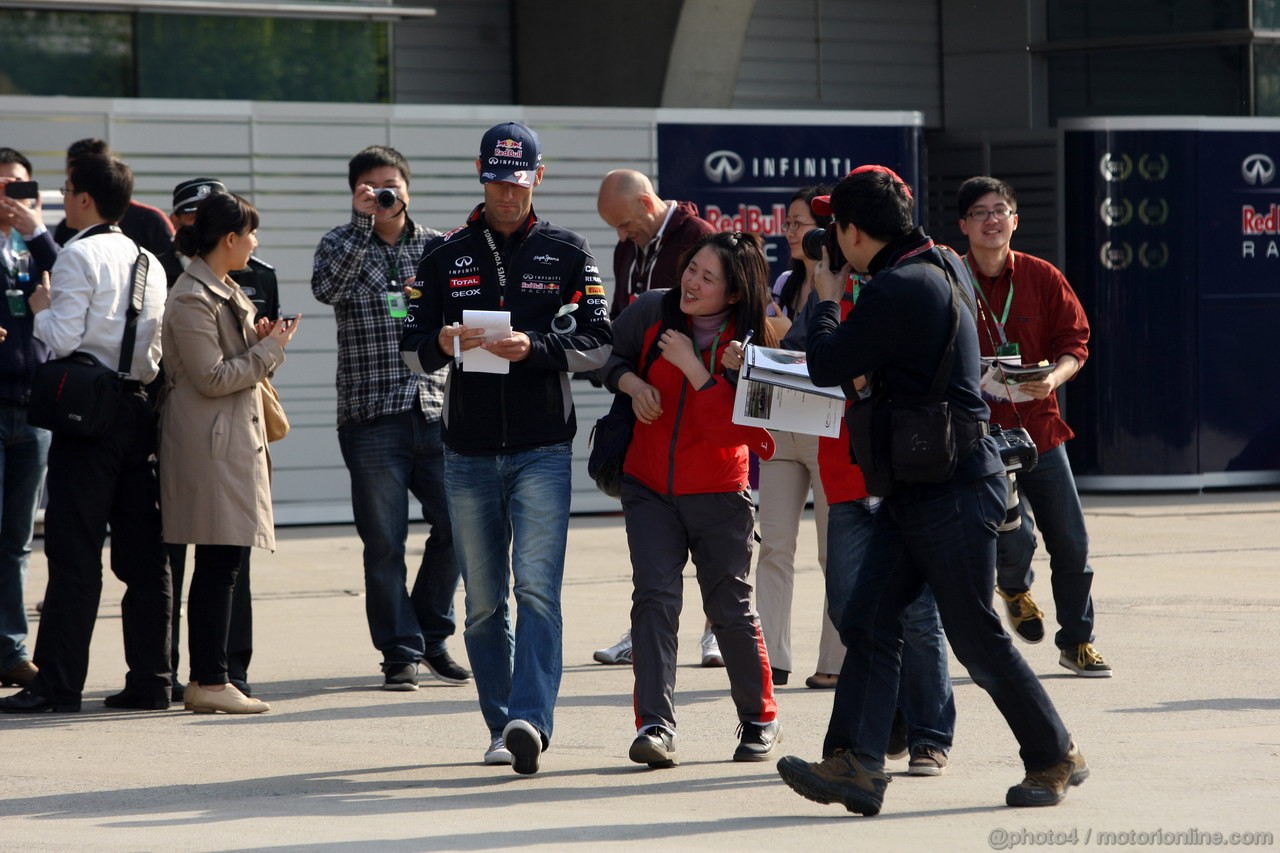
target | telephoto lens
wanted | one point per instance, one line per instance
(386, 197)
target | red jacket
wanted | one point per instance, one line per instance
(841, 480)
(1047, 321)
(694, 447)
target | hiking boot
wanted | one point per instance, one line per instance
(926, 761)
(1048, 787)
(1025, 618)
(655, 746)
(400, 677)
(757, 740)
(1084, 660)
(711, 650)
(618, 653)
(447, 669)
(497, 753)
(838, 779)
(898, 744)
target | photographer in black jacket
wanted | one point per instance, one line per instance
(940, 534)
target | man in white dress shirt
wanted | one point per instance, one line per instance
(107, 479)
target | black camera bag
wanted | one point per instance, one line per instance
(78, 394)
(611, 436)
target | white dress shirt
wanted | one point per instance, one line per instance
(89, 295)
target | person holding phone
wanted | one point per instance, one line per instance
(215, 465)
(27, 251)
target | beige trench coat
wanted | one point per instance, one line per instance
(215, 468)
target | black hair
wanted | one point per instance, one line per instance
(875, 201)
(218, 215)
(975, 188)
(9, 155)
(82, 147)
(746, 275)
(791, 290)
(108, 181)
(373, 157)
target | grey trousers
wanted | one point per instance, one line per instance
(662, 532)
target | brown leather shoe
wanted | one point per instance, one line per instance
(1048, 787)
(229, 701)
(822, 681)
(20, 676)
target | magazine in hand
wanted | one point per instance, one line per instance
(1002, 376)
(774, 391)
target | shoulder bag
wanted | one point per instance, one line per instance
(611, 436)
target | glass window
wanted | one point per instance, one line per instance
(1266, 14)
(262, 59)
(86, 54)
(1087, 19)
(1184, 81)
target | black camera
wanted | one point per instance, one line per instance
(813, 241)
(1017, 450)
(385, 197)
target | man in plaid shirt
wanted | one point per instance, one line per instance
(389, 420)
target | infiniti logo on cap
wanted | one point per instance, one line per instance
(723, 167)
(1258, 169)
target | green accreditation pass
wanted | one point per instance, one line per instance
(1007, 349)
(396, 306)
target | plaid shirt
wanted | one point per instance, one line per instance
(352, 272)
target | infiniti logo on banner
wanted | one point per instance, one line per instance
(724, 167)
(1258, 169)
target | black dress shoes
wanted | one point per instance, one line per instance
(138, 700)
(29, 702)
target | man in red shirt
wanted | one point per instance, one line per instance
(1027, 308)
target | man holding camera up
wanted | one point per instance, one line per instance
(935, 526)
(1030, 311)
(389, 420)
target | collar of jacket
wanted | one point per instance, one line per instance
(227, 291)
(912, 243)
(476, 220)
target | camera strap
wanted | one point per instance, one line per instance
(986, 329)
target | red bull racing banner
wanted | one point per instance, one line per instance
(742, 175)
(1172, 232)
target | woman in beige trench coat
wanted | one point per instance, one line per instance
(215, 468)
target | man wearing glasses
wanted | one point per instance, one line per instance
(1029, 310)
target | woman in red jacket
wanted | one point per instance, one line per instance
(685, 486)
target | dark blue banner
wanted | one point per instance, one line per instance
(742, 176)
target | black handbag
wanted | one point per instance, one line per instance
(611, 436)
(78, 394)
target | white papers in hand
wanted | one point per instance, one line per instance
(496, 325)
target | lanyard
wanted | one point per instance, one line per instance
(647, 256)
(497, 262)
(1004, 318)
(715, 342)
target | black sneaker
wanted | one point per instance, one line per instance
(1026, 619)
(655, 746)
(838, 779)
(400, 677)
(524, 742)
(756, 741)
(1085, 660)
(446, 669)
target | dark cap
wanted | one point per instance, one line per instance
(188, 194)
(510, 153)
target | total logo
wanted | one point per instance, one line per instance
(724, 167)
(1257, 169)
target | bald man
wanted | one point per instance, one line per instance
(653, 234)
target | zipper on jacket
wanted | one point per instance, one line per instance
(675, 436)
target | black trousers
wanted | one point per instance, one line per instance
(240, 633)
(93, 482)
(213, 585)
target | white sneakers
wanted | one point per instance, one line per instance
(618, 653)
(497, 753)
(711, 650)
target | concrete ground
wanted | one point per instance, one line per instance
(1183, 742)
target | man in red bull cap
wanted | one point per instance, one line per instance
(509, 425)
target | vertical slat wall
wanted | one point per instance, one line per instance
(290, 160)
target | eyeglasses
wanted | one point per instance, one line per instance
(66, 191)
(796, 224)
(981, 214)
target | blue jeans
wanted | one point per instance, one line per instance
(924, 687)
(1049, 491)
(24, 453)
(516, 507)
(388, 458)
(944, 537)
